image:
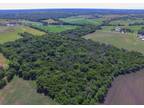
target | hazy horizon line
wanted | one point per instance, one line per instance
(29, 6)
(74, 8)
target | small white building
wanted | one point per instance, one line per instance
(118, 29)
(11, 24)
(141, 36)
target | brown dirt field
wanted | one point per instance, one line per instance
(127, 90)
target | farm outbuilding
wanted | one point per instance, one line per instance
(8, 23)
(119, 29)
(11, 24)
(141, 36)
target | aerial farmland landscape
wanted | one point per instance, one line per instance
(72, 57)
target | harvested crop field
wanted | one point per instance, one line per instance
(127, 89)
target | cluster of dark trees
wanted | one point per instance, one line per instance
(115, 25)
(127, 30)
(59, 22)
(124, 30)
(2, 81)
(77, 32)
(69, 70)
(81, 30)
(5, 76)
(136, 23)
(141, 31)
(39, 14)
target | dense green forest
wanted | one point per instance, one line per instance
(69, 70)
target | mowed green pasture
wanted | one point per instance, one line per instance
(22, 92)
(56, 28)
(32, 31)
(133, 28)
(127, 21)
(12, 33)
(127, 41)
(82, 20)
(27, 22)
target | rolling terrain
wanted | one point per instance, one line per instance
(127, 41)
(22, 92)
(71, 57)
(82, 20)
(12, 33)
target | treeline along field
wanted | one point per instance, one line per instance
(69, 70)
(66, 67)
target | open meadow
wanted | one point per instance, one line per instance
(128, 41)
(81, 20)
(56, 28)
(22, 92)
(127, 21)
(134, 28)
(12, 33)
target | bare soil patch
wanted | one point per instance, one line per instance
(127, 89)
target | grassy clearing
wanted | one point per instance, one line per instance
(50, 21)
(107, 28)
(111, 16)
(9, 34)
(19, 91)
(81, 20)
(127, 21)
(32, 31)
(133, 28)
(12, 33)
(3, 61)
(27, 22)
(57, 28)
(127, 41)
